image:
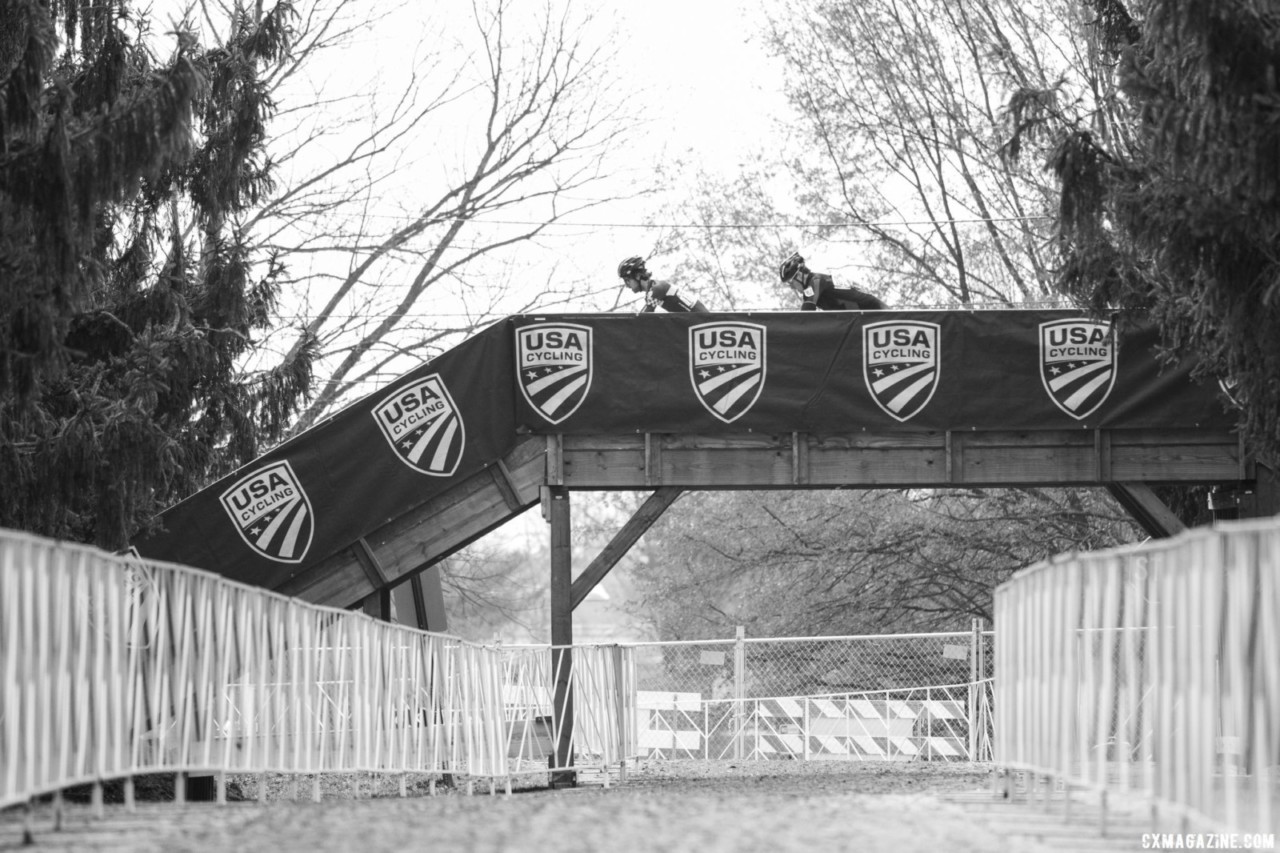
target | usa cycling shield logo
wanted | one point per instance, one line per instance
(272, 512)
(553, 367)
(1077, 364)
(423, 427)
(900, 365)
(727, 367)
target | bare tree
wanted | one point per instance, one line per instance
(907, 113)
(727, 234)
(902, 103)
(407, 203)
(538, 124)
(493, 591)
(832, 562)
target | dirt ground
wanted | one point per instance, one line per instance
(779, 807)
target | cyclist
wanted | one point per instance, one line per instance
(818, 290)
(656, 293)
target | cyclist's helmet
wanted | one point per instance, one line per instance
(790, 267)
(632, 267)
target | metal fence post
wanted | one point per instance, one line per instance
(928, 727)
(804, 731)
(975, 642)
(739, 689)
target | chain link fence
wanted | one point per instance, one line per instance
(811, 666)
(878, 697)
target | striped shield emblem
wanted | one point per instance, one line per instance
(272, 512)
(423, 426)
(727, 367)
(553, 367)
(1077, 364)
(900, 365)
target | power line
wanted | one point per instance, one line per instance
(990, 305)
(730, 225)
(749, 225)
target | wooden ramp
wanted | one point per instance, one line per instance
(429, 532)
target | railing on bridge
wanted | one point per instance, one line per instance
(1152, 672)
(112, 668)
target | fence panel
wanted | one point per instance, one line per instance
(801, 697)
(1151, 671)
(111, 667)
(604, 705)
(910, 724)
(798, 666)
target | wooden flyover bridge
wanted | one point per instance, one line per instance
(537, 408)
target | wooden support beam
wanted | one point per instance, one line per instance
(1147, 509)
(555, 460)
(1248, 462)
(800, 458)
(1261, 497)
(378, 604)
(506, 485)
(369, 563)
(561, 633)
(428, 599)
(900, 459)
(427, 533)
(419, 603)
(652, 459)
(544, 503)
(650, 511)
(955, 456)
(1102, 450)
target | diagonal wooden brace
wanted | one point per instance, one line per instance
(650, 511)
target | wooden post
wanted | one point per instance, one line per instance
(427, 587)
(621, 710)
(561, 633)
(378, 604)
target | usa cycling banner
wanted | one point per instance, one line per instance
(846, 371)
(343, 478)
(833, 372)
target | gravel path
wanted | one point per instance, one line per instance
(779, 807)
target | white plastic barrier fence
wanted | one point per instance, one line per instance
(942, 723)
(112, 668)
(1150, 671)
(603, 693)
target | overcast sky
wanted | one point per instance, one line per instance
(717, 90)
(704, 87)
